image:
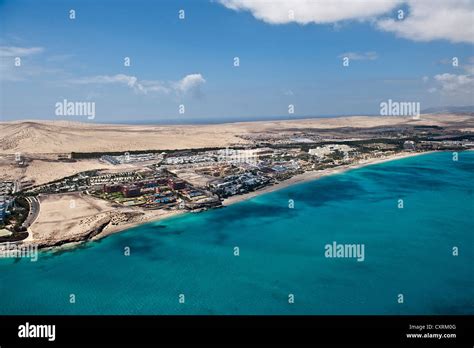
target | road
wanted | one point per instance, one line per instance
(34, 211)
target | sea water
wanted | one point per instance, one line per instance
(266, 255)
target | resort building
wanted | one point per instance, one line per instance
(110, 188)
(322, 151)
(409, 145)
(176, 184)
(130, 191)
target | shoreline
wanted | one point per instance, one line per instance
(100, 230)
(110, 228)
(314, 175)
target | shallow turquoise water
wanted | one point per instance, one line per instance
(407, 251)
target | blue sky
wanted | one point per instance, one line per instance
(282, 60)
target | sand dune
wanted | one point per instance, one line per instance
(42, 141)
(41, 171)
(36, 137)
(57, 137)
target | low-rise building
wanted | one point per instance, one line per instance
(176, 184)
(110, 188)
(130, 191)
(409, 145)
(322, 151)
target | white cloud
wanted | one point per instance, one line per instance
(9, 71)
(359, 56)
(469, 69)
(189, 82)
(457, 87)
(434, 19)
(310, 11)
(130, 81)
(455, 84)
(14, 51)
(425, 20)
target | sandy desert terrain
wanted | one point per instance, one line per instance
(70, 218)
(42, 171)
(43, 141)
(37, 137)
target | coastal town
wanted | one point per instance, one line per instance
(159, 183)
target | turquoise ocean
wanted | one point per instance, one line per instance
(407, 251)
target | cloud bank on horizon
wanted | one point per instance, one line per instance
(427, 19)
